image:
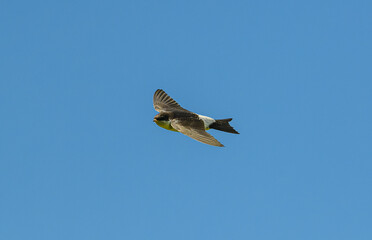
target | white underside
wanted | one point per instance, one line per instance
(207, 121)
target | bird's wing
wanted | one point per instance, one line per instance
(194, 128)
(164, 103)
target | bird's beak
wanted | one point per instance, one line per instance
(154, 120)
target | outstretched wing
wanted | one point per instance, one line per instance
(195, 129)
(162, 102)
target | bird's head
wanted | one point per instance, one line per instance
(162, 120)
(161, 117)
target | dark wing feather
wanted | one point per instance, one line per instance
(162, 102)
(194, 128)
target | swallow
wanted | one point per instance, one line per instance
(173, 117)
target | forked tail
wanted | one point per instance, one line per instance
(223, 125)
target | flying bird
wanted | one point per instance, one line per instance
(173, 117)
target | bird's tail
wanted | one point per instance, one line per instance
(223, 125)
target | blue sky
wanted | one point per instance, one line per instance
(80, 157)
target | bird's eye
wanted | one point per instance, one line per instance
(163, 118)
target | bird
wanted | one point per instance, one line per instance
(173, 117)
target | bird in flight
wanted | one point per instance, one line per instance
(173, 117)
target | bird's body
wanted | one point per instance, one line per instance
(166, 124)
(175, 118)
(207, 121)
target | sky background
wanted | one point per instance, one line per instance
(80, 157)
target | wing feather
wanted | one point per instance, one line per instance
(163, 102)
(195, 129)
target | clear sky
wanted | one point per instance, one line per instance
(80, 157)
